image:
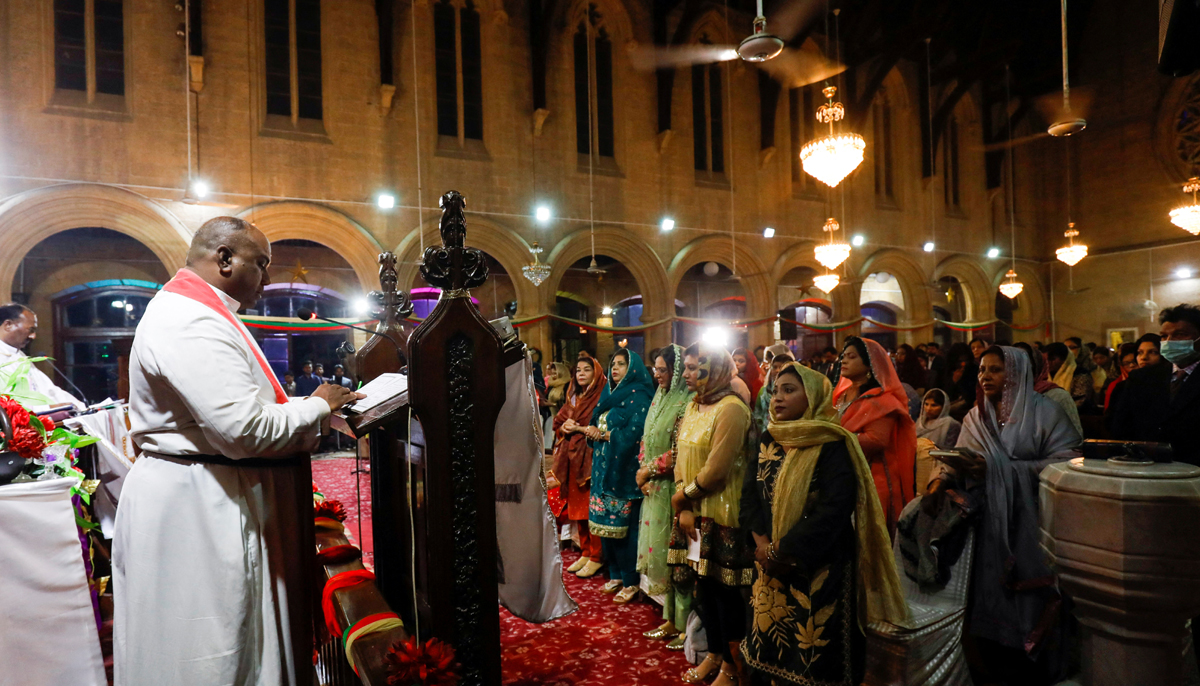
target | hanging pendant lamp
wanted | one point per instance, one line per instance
(1072, 252)
(834, 252)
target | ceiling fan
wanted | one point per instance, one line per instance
(793, 67)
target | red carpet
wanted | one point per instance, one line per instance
(335, 478)
(601, 643)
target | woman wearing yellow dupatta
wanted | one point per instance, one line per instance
(823, 552)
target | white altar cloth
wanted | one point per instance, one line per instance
(48, 634)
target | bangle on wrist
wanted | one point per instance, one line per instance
(694, 491)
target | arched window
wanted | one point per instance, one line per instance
(802, 127)
(883, 152)
(950, 165)
(458, 62)
(93, 324)
(89, 47)
(286, 351)
(593, 87)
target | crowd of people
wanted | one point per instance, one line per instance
(782, 500)
(311, 376)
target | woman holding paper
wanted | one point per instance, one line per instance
(616, 503)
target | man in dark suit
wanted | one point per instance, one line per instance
(1162, 402)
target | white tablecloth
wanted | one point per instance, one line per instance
(114, 459)
(48, 633)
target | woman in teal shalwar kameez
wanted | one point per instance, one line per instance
(616, 436)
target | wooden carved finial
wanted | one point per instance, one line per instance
(388, 303)
(453, 267)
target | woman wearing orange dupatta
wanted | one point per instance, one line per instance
(573, 458)
(873, 405)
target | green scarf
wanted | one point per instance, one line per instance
(668, 406)
(880, 597)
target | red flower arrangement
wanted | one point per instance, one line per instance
(413, 664)
(332, 509)
(25, 440)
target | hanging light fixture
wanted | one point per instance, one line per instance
(1072, 252)
(538, 271)
(834, 252)
(1187, 217)
(1011, 288)
(826, 282)
(831, 158)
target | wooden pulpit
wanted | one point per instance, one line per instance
(433, 496)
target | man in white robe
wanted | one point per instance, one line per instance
(18, 327)
(206, 524)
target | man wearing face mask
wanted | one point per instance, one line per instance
(1162, 401)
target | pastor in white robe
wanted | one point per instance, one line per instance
(198, 585)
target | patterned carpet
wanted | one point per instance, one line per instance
(336, 479)
(601, 643)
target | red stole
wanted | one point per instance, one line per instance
(188, 284)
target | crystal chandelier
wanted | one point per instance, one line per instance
(1072, 252)
(826, 282)
(1011, 288)
(538, 271)
(833, 253)
(831, 158)
(1187, 217)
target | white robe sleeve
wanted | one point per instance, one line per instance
(213, 376)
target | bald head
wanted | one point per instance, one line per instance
(232, 255)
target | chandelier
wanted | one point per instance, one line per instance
(831, 158)
(826, 282)
(1187, 217)
(1072, 252)
(1011, 288)
(833, 253)
(538, 271)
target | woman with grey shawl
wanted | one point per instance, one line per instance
(1015, 612)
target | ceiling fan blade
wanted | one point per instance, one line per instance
(650, 57)
(1051, 108)
(789, 18)
(1022, 140)
(796, 67)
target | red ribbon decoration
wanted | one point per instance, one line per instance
(337, 582)
(338, 554)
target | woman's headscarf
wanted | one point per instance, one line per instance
(716, 375)
(753, 374)
(636, 380)
(1018, 438)
(888, 398)
(572, 454)
(668, 406)
(879, 594)
(910, 370)
(938, 430)
(1066, 373)
(626, 403)
(557, 387)
(1041, 373)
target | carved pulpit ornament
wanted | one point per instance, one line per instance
(456, 388)
(391, 307)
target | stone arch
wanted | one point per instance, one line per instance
(630, 251)
(617, 16)
(1032, 297)
(843, 300)
(325, 225)
(497, 240)
(913, 284)
(711, 21)
(757, 281)
(981, 305)
(30, 217)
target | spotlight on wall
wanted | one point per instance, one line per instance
(858, 240)
(543, 213)
(993, 253)
(1184, 273)
(386, 201)
(715, 336)
(200, 189)
(928, 247)
(606, 310)
(768, 232)
(361, 306)
(668, 224)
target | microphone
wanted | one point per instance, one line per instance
(307, 315)
(68, 380)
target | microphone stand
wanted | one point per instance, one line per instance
(308, 315)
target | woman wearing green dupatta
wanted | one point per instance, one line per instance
(822, 548)
(656, 479)
(616, 435)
